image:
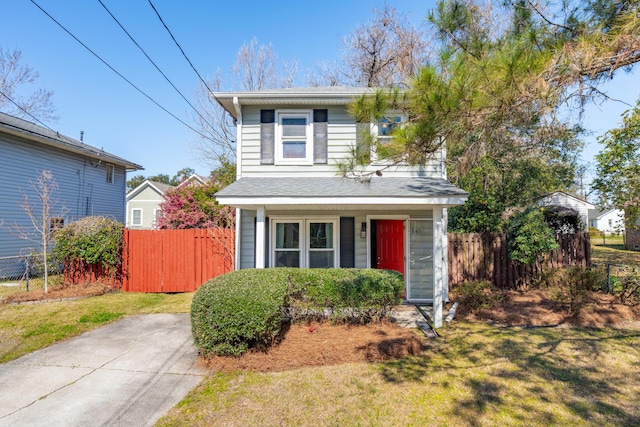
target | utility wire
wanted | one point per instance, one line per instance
(116, 71)
(58, 134)
(152, 62)
(184, 54)
(25, 111)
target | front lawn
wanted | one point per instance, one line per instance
(475, 374)
(28, 327)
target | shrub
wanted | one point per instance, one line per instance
(94, 240)
(239, 310)
(247, 308)
(571, 286)
(343, 295)
(529, 236)
(478, 294)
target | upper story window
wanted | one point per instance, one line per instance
(110, 173)
(388, 123)
(294, 142)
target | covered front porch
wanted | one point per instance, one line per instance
(401, 225)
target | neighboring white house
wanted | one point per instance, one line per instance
(293, 209)
(560, 198)
(609, 221)
(143, 202)
(89, 181)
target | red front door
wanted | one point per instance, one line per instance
(390, 245)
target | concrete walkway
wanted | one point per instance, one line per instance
(128, 373)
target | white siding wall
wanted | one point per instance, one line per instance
(341, 137)
(82, 187)
(616, 217)
(148, 200)
(559, 199)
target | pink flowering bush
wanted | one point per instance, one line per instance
(194, 206)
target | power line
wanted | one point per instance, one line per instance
(184, 54)
(62, 137)
(25, 111)
(116, 71)
(152, 62)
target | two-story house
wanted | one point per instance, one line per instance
(144, 202)
(89, 180)
(294, 210)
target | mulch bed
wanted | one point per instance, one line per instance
(320, 344)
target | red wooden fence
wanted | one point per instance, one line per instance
(164, 261)
(175, 260)
(484, 257)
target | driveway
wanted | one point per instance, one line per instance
(128, 373)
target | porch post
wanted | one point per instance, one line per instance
(260, 237)
(438, 265)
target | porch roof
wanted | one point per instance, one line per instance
(341, 193)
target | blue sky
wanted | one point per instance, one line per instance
(114, 116)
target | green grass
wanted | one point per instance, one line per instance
(474, 375)
(603, 254)
(29, 327)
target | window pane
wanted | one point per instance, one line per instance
(321, 235)
(137, 216)
(287, 235)
(287, 259)
(294, 149)
(321, 259)
(387, 124)
(294, 126)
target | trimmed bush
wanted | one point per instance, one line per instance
(343, 295)
(239, 310)
(247, 308)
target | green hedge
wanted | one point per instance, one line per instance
(247, 308)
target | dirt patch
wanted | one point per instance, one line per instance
(321, 344)
(535, 308)
(57, 293)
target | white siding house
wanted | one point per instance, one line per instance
(90, 181)
(560, 198)
(294, 209)
(610, 221)
(143, 204)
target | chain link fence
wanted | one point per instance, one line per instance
(15, 273)
(620, 280)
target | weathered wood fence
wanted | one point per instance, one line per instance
(484, 257)
(164, 261)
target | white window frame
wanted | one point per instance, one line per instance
(273, 227)
(304, 225)
(375, 128)
(157, 213)
(307, 247)
(280, 139)
(110, 173)
(133, 217)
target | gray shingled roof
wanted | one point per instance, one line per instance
(14, 125)
(332, 95)
(411, 187)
